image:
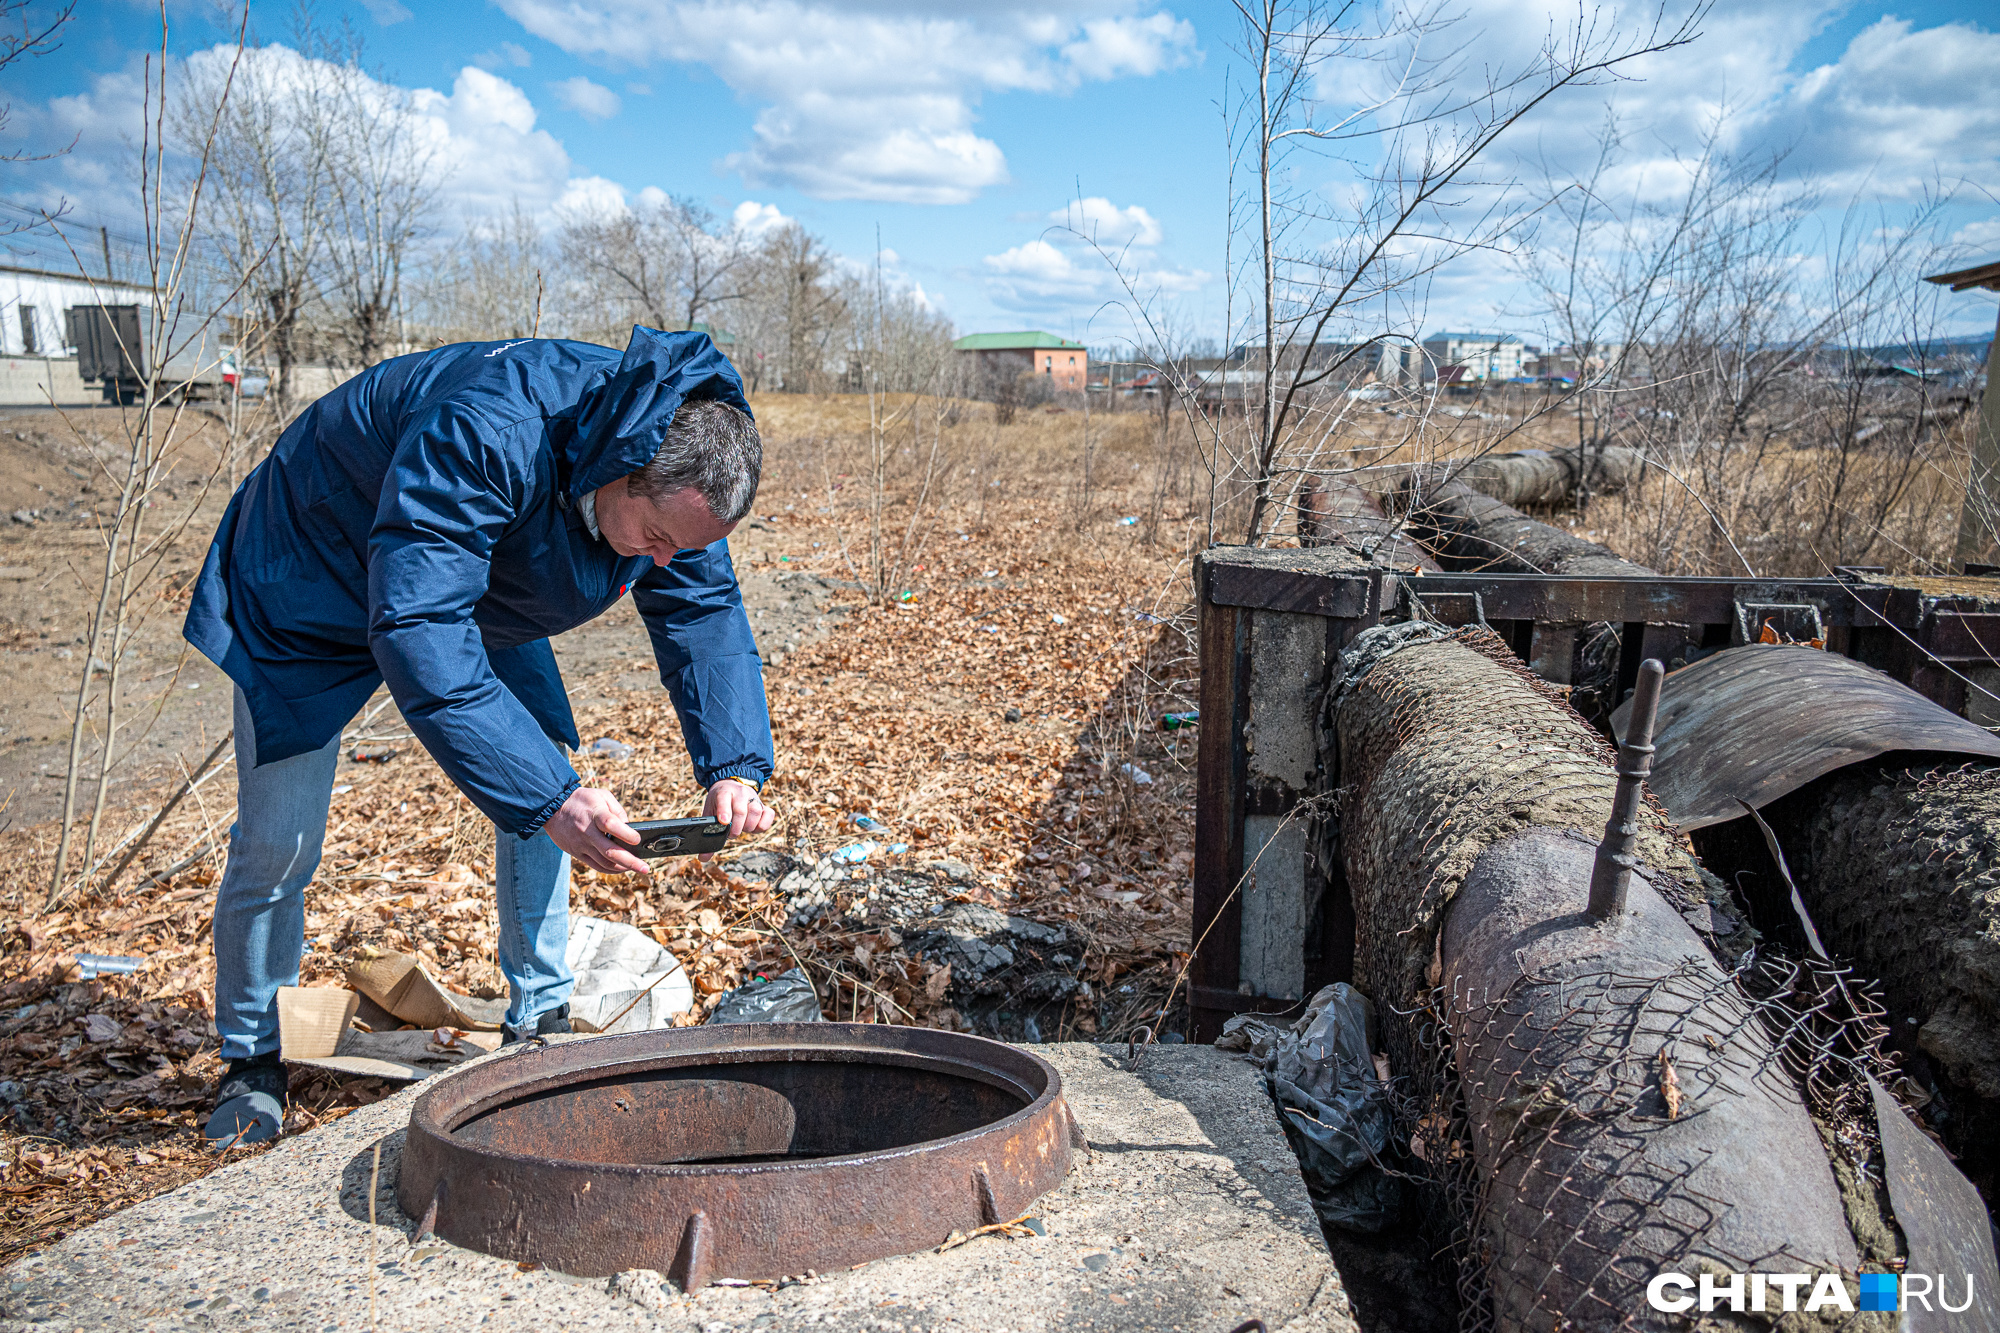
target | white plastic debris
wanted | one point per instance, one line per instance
(1138, 775)
(625, 981)
(610, 748)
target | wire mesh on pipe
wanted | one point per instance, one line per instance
(1601, 1105)
(1449, 752)
(1556, 1201)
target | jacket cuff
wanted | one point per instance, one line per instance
(757, 773)
(543, 815)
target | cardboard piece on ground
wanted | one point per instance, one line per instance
(314, 1028)
(401, 984)
(372, 1017)
(625, 980)
(312, 1020)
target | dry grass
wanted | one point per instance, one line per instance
(1028, 595)
(1853, 482)
(1789, 512)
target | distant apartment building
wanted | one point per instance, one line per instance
(1065, 363)
(1460, 358)
(1565, 362)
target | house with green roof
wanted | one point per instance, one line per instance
(1030, 351)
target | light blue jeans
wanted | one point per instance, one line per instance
(274, 847)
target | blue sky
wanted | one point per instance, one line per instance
(961, 132)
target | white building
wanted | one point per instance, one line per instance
(35, 305)
(37, 359)
(1462, 357)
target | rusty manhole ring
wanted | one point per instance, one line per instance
(744, 1151)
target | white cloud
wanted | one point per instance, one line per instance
(752, 219)
(1038, 263)
(591, 196)
(592, 101)
(1113, 47)
(485, 133)
(873, 99)
(1060, 277)
(480, 100)
(386, 12)
(507, 53)
(1899, 107)
(1112, 227)
(481, 136)
(1981, 237)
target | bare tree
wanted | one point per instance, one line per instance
(623, 272)
(271, 196)
(1421, 117)
(489, 283)
(710, 259)
(1776, 440)
(900, 351)
(384, 179)
(24, 36)
(179, 346)
(799, 309)
(1614, 269)
(668, 263)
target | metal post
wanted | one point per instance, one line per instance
(1611, 876)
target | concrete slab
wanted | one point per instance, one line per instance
(1188, 1213)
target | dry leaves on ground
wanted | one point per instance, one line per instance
(1078, 814)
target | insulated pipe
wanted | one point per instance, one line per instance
(1334, 511)
(1538, 477)
(1568, 1035)
(1898, 864)
(1887, 809)
(1475, 532)
(1471, 803)
(1532, 477)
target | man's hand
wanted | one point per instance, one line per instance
(731, 802)
(591, 827)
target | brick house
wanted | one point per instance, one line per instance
(1066, 363)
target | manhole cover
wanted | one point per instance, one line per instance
(747, 1151)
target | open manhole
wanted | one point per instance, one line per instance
(746, 1151)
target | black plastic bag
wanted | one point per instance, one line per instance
(785, 998)
(1336, 1115)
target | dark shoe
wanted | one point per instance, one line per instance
(249, 1104)
(553, 1022)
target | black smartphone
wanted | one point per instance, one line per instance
(677, 837)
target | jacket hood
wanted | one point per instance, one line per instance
(621, 423)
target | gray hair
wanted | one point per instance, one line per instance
(711, 448)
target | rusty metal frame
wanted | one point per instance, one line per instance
(589, 1203)
(1929, 640)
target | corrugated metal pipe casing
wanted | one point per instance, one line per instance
(1472, 804)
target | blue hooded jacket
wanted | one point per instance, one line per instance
(419, 525)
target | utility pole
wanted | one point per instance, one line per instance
(104, 235)
(1979, 519)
